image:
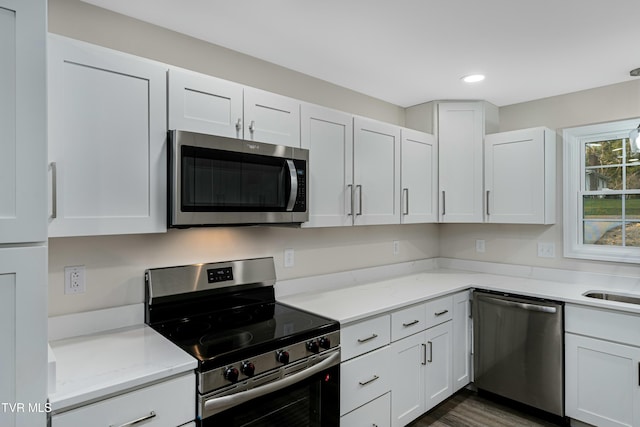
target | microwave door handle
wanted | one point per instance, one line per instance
(293, 176)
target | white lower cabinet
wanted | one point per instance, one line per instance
(602, 377)
(170, 403)
(422, 374)
(411, 353)
(364, 378)
(461, 340)
(375, 413)
(408, 384)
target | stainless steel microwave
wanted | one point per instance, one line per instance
(215, 180)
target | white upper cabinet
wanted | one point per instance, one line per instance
(520, 176)
(107, 140)
(204, 104)
(376, 172)
(23, 149)
(419, 179)
(328, 135)
(461, 129)
(271, 118)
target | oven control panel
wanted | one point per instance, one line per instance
(243, 370)
(223, 274)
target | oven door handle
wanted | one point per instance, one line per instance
(219, 404)
(293, 177)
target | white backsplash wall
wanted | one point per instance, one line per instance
(115, 264)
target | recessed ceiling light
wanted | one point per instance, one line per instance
(473, 78)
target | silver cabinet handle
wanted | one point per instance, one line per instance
(350, 187)
(54, 190)
(362, 340)
(430, 352)
(239, 125)
(363, 383)
(405, 194)
(406, 325)
(443, 203)
(252, 126)
(359, 188)
(440, 313)
(487, 202)
(152, 414)
(424, 354)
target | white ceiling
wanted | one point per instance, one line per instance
(411, 51)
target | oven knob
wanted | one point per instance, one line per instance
(325, 343)
(231, 374)
(313, 346)
(282, 357)
(248, 369)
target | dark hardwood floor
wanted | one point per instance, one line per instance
(468, 409)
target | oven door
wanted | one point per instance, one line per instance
(308, 398)
(216, 180)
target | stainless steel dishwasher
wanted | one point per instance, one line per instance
(518, 349)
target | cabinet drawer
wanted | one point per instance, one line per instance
(408, 321)
(439, 311)
(375, 413)
(602, 323)
(365, 336)
(169, 403)
(364, 378)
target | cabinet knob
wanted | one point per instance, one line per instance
(252, 126)
(239, 125)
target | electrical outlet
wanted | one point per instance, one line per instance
(396, 247)
(289, 258)
(74, 282)
(546, 250)
(480, 247)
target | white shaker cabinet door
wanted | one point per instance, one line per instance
(519, 176)
(419, 179)
(204, 104)
(439, 382)
(408, 381)
(23, 149)
(602, 382)
(328, 135)
(376, 172)
(107, 140)
(461, 340)
(23, 328)
(460, 137)
(271, 118)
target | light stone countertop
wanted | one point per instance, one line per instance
(97, 366)
(354, 303)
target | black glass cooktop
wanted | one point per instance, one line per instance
(224, 336)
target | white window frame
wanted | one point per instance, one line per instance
(573, 160)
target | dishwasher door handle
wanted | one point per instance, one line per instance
(522, 305)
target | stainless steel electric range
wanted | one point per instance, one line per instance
(260, 362)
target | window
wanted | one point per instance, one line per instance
(602, 192)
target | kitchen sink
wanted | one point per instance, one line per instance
(612, 296)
